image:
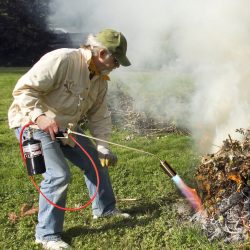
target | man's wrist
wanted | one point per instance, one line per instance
(102, 149)
(36, 120)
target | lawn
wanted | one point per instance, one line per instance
(155, 222)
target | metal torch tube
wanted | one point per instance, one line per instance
(164, 165)
(167, 169)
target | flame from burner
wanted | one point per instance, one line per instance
(190, 194)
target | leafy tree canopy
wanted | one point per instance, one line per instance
(24, 32)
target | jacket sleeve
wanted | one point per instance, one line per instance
(99, 118)
(43, 77)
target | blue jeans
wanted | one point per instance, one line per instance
(56, 181)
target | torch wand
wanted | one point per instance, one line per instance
(188, 192)
(112, 143)
(164, 165)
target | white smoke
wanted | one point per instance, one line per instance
(206, 42)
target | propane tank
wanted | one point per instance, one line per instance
(32, 149)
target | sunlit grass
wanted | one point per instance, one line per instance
(154, 223)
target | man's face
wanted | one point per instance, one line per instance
(107, 63)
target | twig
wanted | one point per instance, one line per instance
(127, 199)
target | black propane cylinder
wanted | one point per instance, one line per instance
(32, 149)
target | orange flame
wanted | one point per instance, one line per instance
(190, 194)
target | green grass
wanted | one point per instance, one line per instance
(155, 223)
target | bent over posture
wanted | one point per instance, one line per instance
(65, 86)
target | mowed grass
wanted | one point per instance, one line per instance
(155, 223)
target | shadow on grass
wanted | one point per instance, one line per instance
(152, 209)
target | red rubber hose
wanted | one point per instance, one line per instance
(39, 190)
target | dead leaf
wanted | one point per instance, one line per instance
(26, 210)
(13, 218)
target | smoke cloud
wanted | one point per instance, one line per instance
(190, 59)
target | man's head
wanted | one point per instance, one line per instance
(116, 44)
(109, 49)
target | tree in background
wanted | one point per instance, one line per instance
(25, 36)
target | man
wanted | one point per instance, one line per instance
(62, 88)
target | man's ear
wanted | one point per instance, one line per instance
(102, 54)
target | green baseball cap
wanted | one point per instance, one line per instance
(116, 44)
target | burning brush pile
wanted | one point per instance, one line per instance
(223, 179)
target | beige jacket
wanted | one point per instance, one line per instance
(58, 86)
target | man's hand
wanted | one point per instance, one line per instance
(106, 156)
(48, 125)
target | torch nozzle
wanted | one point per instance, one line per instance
(167, 169)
